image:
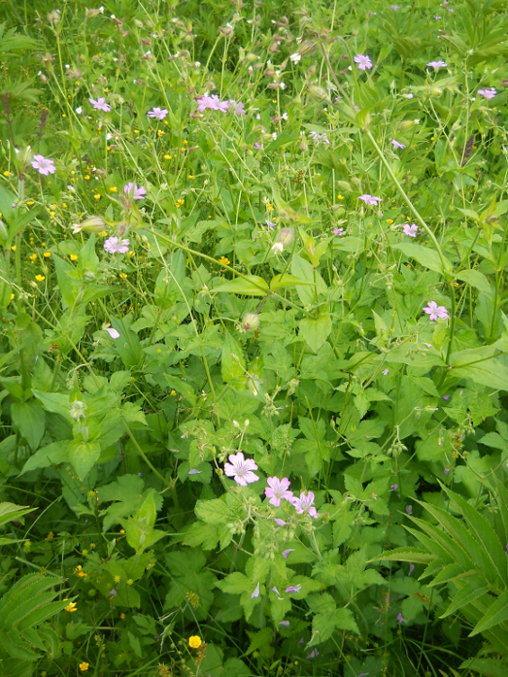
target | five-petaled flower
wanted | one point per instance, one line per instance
(100, 104)
(396, 144)
(278, 489)
(158, 113)
(338, 231)
(410, 230)
(84, 666)
(240, 469)
(436, 65)
(363, 62)
(71, 607)
(115, 246)
(133, 190)
(43, 165)
(370, 199)
(195, 642)
(488, 92)
(435, 312)
(304, 504)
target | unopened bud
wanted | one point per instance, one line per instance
(285, 237)
(250, 322)
(317, 92)
(407, 124)
(93, 224)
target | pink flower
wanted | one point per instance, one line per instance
(304, 504)
(409, 96)
(43, 165)
(258, 145)
(287, 552)
(338, 231)
(488, 92)
(214, 103)
(159, 113)
(385, 372)
(256, 592)
(237, 108)
(410, 230)
(363, 62)
(114, 246)
(240, 469)
(370, 199)
(279, 522)
(293, 588)
(203, 103)
(113, 333)
(100, 104)
(436, 65)
(132, 190)
(436, 312)
(396, 144)
(278, 489)
(400, 618)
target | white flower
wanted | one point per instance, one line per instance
(283, 85)
(79, 110)
(295, 58)
(285, 116)
(274, 135)
(278, 248)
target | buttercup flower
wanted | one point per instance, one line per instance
(195, 642)
(100, 104)
(134, 191)
(396, 144)
(363, 62)
(410, 230)
(278, 489)
(43, 165)
(240, 469)
(370, 199)
(304, 504)
(435, 312)
(84, 666)
(488, 92)
(158, 113)
(114, 246)
(436, 65)
(71, 607)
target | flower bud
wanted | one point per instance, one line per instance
(318, 93)
(93, 224)
(250, 322)
(407, 124)
(285, 237)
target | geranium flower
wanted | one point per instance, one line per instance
(396, 144)
(256, 592)
(278, 489)
(488, 92)
(286, 553)
(132, 189)
(410, 230)
(363, 62)
(304, 504)
(237, 107)
(338, 231)
(214, 103)
(240, 469)
(370, 199)
(436, 65)
(114, 246)
(113, 333)
(100, 104)
(293, 588)
(159, 113)
(43, 165)
(436, 312)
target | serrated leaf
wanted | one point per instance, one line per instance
(465, 596)
(497, 613)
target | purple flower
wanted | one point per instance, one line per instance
(100, 104)
(446, 471)
(436, 65)
(363, 62)
(385, 372)
(275, 590)
(395, 7)
(43, 165)
(446, 397)
(240, 469)
(411, 568)
(132, 190)
(409, 509)
(113, 592)
(287, 552)
(412, 231)
(286, 624)
(300, 641)
(256, 592)
(271, 225)
(293, 588)
(313, 654)
(214, 103)
(278, 489)
(113, 333)
(400, 618)
(258, 146)
(488, 92)
(409, 96)
(279, 522)
(237, 107)
(159, 113)
(396, 144)
(394, 487)
(435, 312)
(304, 504)
(114, 246)
(338, 231)
(370, 199)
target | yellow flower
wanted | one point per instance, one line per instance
(13, 247)
(341, 197)
(389, 220)
(63, 115)
(136, 131)
(30, 202)
(123, 276)
(269, 206)
(172, 393)
(64, 205)
(114, 189)
(33, 258)
(74, 257)
(71, 607)
(160, 133)
(117, 579)
(195, 642)
(122, 531)
(103, 233)
(167, 157)
(191, 177)
(47, 255)
(97, 196)
(84, 666)
(40, 278)
(132, 254)
(50, 536)
(159, 351)
(224, 259)
(185, 141)
(179, 202)
(7, 173)
(122, 616)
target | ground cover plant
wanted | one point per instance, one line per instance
(253, 369)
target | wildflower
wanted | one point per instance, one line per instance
(278, 489)
(100, 104)
(409, 96)
(113, 592)
(286, 553)
(313, 654)
(370, 199)
(385, 372)
(409, 509)
(394, 487)
(113, 246)
(122, 616)
(79, 110)
(363, 62)
(293, 588)
(436, 65)
(488, 92)
(40, 278)
(284, 238)
(224, 260)
(250, 321)
(304, 504)
(338, 231)
(295, 58)
(159, 113)
(395, 7)
(213, 103)
(114, 335)
(195, 642)
(132, 190)
(446, 471)
(400, 618)
(241, 469)
(285, 624)
(50, 536)
(237, 108)
(279, 522)
(256, 592)
(410, 230)
(435, 312)
(271, 225)
(71, 607)
(396, 144)
(43, 165)
(84, 666)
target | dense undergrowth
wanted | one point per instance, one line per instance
(252, 350)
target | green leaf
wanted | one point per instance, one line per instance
(83, 456)
(316, 331)
(425, 256)
(51, 455)
(214, 511)
(487, 667)
(30, 419)
(497, 613)
(68, 285)
(475, 279)
(286, 280)
(468, 594)
(127, 344)
(236, 584)
(250, 285)
(260, 639)
(233, 363)
(10, 512)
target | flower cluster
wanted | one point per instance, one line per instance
(214, 103)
